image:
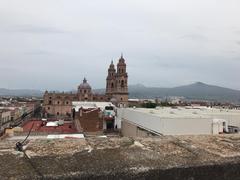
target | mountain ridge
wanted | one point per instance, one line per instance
(198, 90)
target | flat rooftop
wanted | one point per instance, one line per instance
(38, 126)
(187, 112)
(168, 157)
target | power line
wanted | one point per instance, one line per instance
(19, 147)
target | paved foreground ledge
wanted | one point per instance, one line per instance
(180, 157)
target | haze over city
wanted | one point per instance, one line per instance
(54, 44)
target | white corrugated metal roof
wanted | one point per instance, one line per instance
(187, 112)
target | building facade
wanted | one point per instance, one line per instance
(5, 120)
(60, 104)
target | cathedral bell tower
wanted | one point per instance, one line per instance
(117, 83)
(111, 80)
(121, 94)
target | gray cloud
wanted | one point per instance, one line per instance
(38, 52)
(35, 29)
(54, 44)
(237, 31)
(195, 37)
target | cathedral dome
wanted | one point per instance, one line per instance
(84, 85)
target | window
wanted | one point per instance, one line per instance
(57, 113)
(49, 102)
(58, 102)
(109, 108)
(49, 108)
(85, 91)
(122, 83)
(112, 85)
(67, 102)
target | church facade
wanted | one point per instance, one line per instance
(60, 104)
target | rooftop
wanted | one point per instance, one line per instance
(86, 105)
(39, 126)
(187, 112)
(4, 110)
(101, 158)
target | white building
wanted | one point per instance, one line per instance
(176, 121)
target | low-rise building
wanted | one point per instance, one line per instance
(94, 116)
(5, 120)
(176, 121)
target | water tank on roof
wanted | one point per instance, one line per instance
(61, 122)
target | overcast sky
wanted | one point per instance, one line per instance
(53, 44)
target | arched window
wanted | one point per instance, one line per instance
(122, 83)
(112, 85)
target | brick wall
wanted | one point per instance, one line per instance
(90, 120)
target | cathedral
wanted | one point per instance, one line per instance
(116, 92)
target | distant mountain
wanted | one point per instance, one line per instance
(198, 90)
(20, 92)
